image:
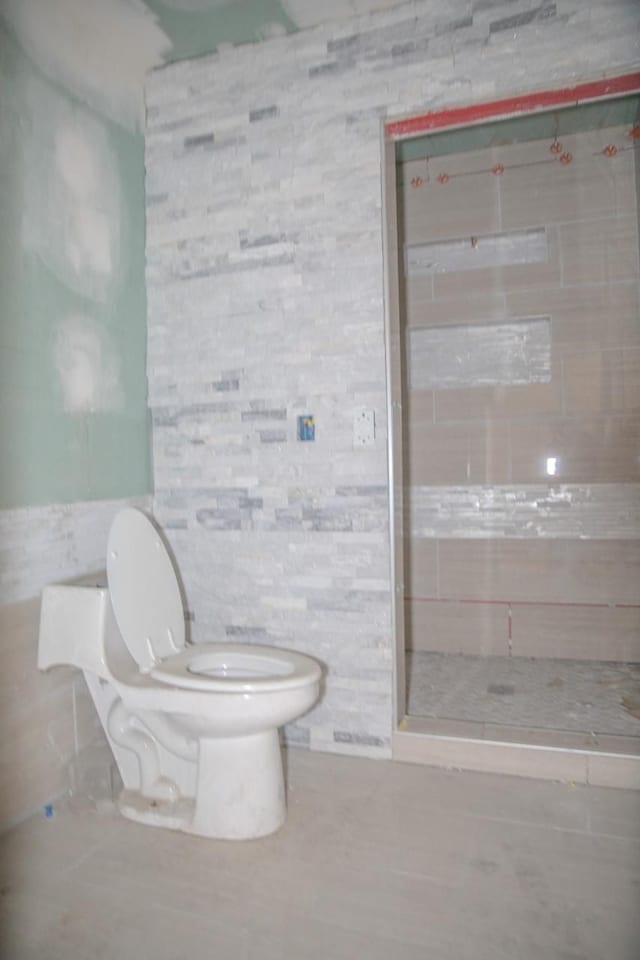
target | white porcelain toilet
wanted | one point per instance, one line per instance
(193, 728)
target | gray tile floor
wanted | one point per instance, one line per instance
(378, 860)
(577, 695)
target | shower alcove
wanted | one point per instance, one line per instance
(513, 346)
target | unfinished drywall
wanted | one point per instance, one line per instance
(264, 274)
(73, 219)
(199, 26)
(74, 437)
(100, 50)
(71, 192)
(72, 300)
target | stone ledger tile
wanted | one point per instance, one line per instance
(298, 321)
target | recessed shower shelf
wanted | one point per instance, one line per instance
(513, 352)
(475, 253)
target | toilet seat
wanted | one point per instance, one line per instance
(144, 590)
(236, 668)
(147, 606)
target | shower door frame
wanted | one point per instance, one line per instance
(556, 756)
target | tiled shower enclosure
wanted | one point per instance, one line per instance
(264, 251)
(521, 328)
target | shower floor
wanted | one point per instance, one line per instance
(570, 695)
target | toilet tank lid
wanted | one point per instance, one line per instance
(144, 589)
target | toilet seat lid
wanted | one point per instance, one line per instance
(144, 590)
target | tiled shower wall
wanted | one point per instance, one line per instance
(503, 558)
(265, 294)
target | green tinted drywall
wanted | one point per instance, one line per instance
(196, 32)
(73, 415)
(62, 440)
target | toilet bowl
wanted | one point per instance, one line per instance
(193, 727)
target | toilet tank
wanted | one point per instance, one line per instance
(75, 624)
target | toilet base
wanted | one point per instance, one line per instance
(240, 793)
(173, 815)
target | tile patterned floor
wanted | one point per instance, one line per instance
(577, 695)
(378, 860)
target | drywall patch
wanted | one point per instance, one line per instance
(87, 367)
(90, 228)
(194, 6)
(305, 13)
(99, 50)
(72, 218)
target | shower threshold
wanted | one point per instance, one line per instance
(553, 719)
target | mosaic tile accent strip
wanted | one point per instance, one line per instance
(600, 511)
(479, 355)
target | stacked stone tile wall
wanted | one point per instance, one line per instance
(265, 299)
(54, 543)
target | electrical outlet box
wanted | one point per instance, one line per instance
(364, 428)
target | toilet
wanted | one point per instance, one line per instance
(193, 727)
